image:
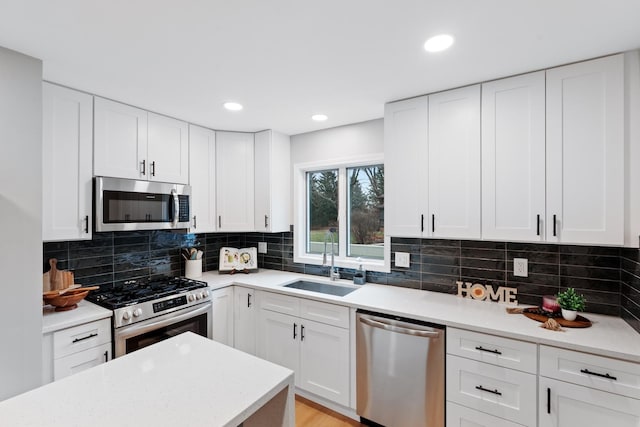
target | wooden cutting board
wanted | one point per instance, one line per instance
(542, 316)
(55, 279)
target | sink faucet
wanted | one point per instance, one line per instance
(333, 273)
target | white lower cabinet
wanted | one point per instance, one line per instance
(461, 416)
(244, 319)
(580, 389)
(494, 383)
(72, 350)
(317, 352)
(222, 319)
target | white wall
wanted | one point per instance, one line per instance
(337, 143)
(20, 223)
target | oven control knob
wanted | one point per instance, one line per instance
(126, 315)
(137, 312)
(203, 294)
(192, 297)
(198, 296)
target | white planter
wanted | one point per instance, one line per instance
(569, 314)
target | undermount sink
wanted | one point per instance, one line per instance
(323, 288)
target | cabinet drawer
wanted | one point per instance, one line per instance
(81, 361)
(280, 303)
(460, 416)
(81, 337)
(505, 393)
(602, 373)
(323, 312)
(499, 351)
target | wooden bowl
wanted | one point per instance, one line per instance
(66, 301)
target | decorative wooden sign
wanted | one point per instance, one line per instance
(483, 292)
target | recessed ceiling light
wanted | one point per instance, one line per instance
(319, 117)
(232, 106)
(438, 43)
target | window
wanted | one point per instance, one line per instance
(345, 203)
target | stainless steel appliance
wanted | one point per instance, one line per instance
(129, 204)
(147, 312)
(400, 371)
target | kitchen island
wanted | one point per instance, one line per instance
(187, 380)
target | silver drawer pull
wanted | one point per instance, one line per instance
(496, 351)
(479, 387)
(607, 376)
(406, 331)
(84, 338)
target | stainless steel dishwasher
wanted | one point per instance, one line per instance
(400, 371)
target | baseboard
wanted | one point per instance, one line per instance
(342, 410)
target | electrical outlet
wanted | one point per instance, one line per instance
(520, 267)
(403, 260)
(262, 247)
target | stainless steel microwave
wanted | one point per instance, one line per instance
(129, 204)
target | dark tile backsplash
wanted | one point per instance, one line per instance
(608, 277)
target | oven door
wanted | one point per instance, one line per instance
(139, 335)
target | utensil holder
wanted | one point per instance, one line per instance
(193, 268)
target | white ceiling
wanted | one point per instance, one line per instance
(285, 60)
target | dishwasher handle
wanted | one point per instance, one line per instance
(398, 329)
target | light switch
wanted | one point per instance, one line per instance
(262, 247)
(403, 259)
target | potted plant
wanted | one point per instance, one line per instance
(570, 302)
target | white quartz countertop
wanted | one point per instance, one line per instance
(609, 336)
(186, 380)
(86, 312)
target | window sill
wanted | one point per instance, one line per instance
(341, 262)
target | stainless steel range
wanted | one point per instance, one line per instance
(145, 312)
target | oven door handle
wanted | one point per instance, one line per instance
(151, 324)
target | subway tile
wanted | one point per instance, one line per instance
(404, 241)
(125, 249)
(535, 257)
(77, 250)
(438, 287)
(589, 250)
(440, 251)
(440, 242)
(631, 254)
(440, 260)
(413, 249)
(590, 260)
(607, 309)
(632, 320)
(532, 247)
(534, 289)
(590, 272)
(439, 279)
(130, 261)
(483, 253)
(539, 279)
(594, 284)
(482, 244)
(90, 262)
(80, 273)
(630, 267)
(477, 273)
(450, 270)
(487, 264)
(630, 293)
(535, 268)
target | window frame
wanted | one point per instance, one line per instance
(300, 214)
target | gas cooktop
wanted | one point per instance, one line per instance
(137, 291)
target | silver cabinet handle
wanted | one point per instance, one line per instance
(398, 329)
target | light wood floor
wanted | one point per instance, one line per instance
(310, 414)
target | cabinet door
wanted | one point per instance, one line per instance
(67, 156)
(513, 163)
(168, 150)
(568, 405)
(585, 149)
(81, 361)
(222, 319)
(244, 319)
(405, 163)
(278, 339)
(120, 140)
(454, 163)
(272, 182)
(324, 361)
(234, 181)
(202, 178)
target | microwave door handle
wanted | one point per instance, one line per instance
(176, 207)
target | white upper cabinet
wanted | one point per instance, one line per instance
(272, 182)
(405, 167)
(120, 140)
(202, 178)
(168, 149)
(454, 163)
(235, 181)
(513, 158)
(67, 155)
(585, 152)
(133, 143)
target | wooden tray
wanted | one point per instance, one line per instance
(540, 315)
